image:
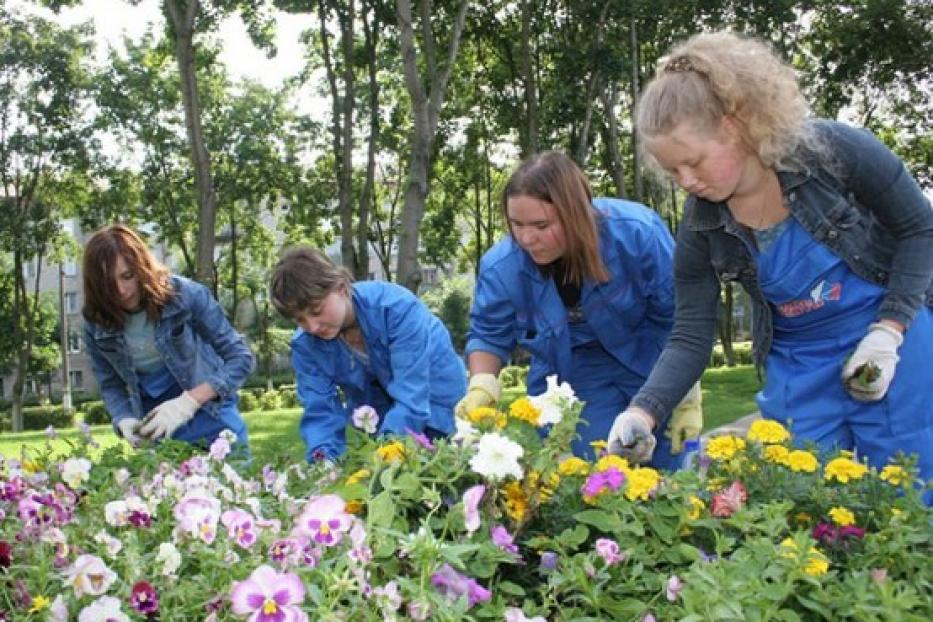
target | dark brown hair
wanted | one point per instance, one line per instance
(101, 297)
(302, 278)
(553, 177)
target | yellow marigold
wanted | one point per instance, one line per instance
(523, 409)
(599, 446)
(641, 482)
(516, 503)
(777, 454)
(816, 562)
(895, 475)
(573, 466)
(607, 462)
(767, 431)
(801, 460)
(30, 466)
(394, 451)
(545, 491)
(724, 447)
(353, 506)
(842, 516)
(696, 507)
(478, 416)
(844, 469)
(358, 476)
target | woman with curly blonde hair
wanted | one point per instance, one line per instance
(824, 228)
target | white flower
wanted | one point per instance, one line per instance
(366, 418)
(104, 608)
(552, 402)
(169, 557)
(497, 457)
(466, 434)
(116, 513)
(90, 575)
(76, 471)
(58, 612)
(113, 545)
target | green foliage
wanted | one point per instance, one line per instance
(513, 376)
(270, 400)
(41, 417)
(450, 300)
(742, 351)
(248, 401)
(95, 413)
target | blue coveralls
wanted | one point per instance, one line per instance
(605, 348)
(822, 311)
(411, 374)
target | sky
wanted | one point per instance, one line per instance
(114, 19)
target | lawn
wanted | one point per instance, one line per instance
(728, 393)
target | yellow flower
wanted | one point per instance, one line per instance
(353, 506)
(612, 461)
(842, 516)
(523, 409)
(844, 469)
(802, 518)
(484, 414)
(895, 475)
(897, 513)
(816, 562)
(800, 460)
(358, 476)
(696, 507)
(394, 451)
(724, 447)
(777, 454)
(641, 482)
(545, 491)
(767, 431)
(599, 447)
(516, 503)
(573, 466)
(39, 603)
(30, 466)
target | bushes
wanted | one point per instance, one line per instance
(262, 399)
(248, 401)
(742, 350)
(95, 413)
(41, 417)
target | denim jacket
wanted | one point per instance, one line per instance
(869, 211)
(197, 345)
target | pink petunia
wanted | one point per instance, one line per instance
(471, 500)
(269, 596)
(727, 502)
(609, 551)
(674, 585)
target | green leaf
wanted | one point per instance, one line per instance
(602, 520)
(382, 509)
(508, 587)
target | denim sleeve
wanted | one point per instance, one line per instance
(687, 350)
(213, 327)
(410, 349)
(492, 318)
(112, 387)
(880, 182)
(324, 419)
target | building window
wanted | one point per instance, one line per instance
(70, 268)
(71, 302)
(74, 341)
(30, 386)
(77, 379)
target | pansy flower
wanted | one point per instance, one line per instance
(324, 520)
(269, 596)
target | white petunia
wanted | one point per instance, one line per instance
(552, 402)
(497, 457)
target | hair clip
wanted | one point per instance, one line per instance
(679, 64)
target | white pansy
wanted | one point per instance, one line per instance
(169, 557)
(76, 471)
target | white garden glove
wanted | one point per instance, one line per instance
(128, 427)
(869, 371)
(686, 419)
(631, 437)
(164, 419)
(484, 390)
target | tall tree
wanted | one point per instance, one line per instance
(427, 98)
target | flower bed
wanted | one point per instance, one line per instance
(496, 525)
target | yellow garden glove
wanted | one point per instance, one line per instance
(484, 390)
(686, 420)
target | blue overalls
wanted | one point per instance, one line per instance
(159, 386)
(821, 312)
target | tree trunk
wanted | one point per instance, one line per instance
(182, 15)
(610, 99)
(22, 310)
(234, 260)
(529, 145)
(371, 34)
(426, 100)
(636, 89)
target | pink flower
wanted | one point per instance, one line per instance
(674, 585)
(421, 439)
(324, 520)
(503, 539)
(219, 449)
(240, 527)
(727, 502)
(365, 418)
(514, 614)
(609, 551)
(197, 515)
(600, 482)
(471, 499)
(453, 585)
(269, 596)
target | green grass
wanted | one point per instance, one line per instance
(728, 393)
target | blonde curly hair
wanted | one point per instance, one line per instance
(712, 75)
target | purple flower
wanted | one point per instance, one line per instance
(602, 481)
(365, 418)
(501, 538)
(283, 550)
(324, 520)
(51, 433)
(143, 598)
(6, 555)
(609, 551)
(548, 560)
(240, 527)
(421, 439)
(674, 585)
(454, 585)
(471, 499)
(269, 596)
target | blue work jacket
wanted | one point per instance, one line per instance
(414, 377)
(631, 314)
(862, 204)
(196, 342)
